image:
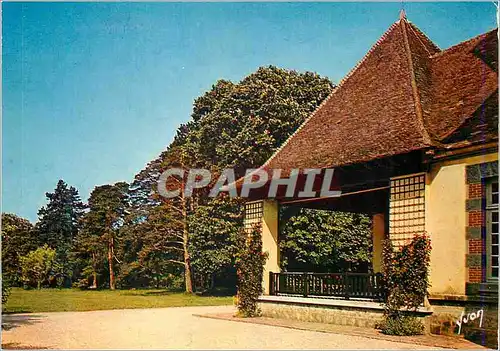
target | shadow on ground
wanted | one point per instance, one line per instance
(18, 346)
(147, 293)
(11, 321)
(207, 293)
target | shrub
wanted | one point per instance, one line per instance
(250, 269)
(175, 282)
(5, 291)
(82, 284)
(402, 325)
(406, 282)
(38, 265)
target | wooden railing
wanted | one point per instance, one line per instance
(344, 285)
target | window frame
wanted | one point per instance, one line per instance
(489, 209)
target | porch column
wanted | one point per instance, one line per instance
(378, 236)
(270, 240)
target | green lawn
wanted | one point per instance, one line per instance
(56, 300)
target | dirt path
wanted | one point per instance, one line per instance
(167, 328)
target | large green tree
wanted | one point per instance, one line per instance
(58, 223)
(101, 227)
(235, 125)
(18, 238)
(239, 126)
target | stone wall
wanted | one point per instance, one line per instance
(439, 318)
(321, 314)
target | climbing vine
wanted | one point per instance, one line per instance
(250, 267)
(406, 280)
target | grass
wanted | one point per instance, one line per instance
(58, 300)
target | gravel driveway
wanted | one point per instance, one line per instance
(167, 328)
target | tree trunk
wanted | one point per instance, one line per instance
(187, 260)
(94, 282)
(112, 283)
(185, 243)
(187, 274)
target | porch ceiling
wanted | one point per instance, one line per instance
(368, 201)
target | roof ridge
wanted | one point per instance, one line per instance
(454, 47)
(416, 29)
(341, 83)
(416, 96)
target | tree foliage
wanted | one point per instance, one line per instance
(325, 241)
(18, 238)
(241, 125)
(59, 219)
(38, 266)
(58, 224)
(214, 229)
(5, 290)
(101, 227)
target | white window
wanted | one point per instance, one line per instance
(492, 228)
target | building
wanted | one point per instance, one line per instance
(412, 133)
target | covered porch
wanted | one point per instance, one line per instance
(389, 191)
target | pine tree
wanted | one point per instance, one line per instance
(58, 223)
(101, 226)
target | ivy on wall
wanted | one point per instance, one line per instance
(250, 269)
(406, 280)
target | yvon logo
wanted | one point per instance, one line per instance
(469, 318)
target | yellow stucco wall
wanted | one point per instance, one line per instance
(378, 236)
(270, 240)
(445, 222)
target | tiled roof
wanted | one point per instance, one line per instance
(461, 81)
(404, 95)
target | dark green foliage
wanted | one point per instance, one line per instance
(325, 241)
(18, 238)
(101, 225)
(406, 282)
(240, 125)
(5, 290)
(213, 229)
(59, 219)
(146, 248)
(148, 237)
(58, 225)
(250, 266)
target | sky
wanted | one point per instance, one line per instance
(93, 91)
